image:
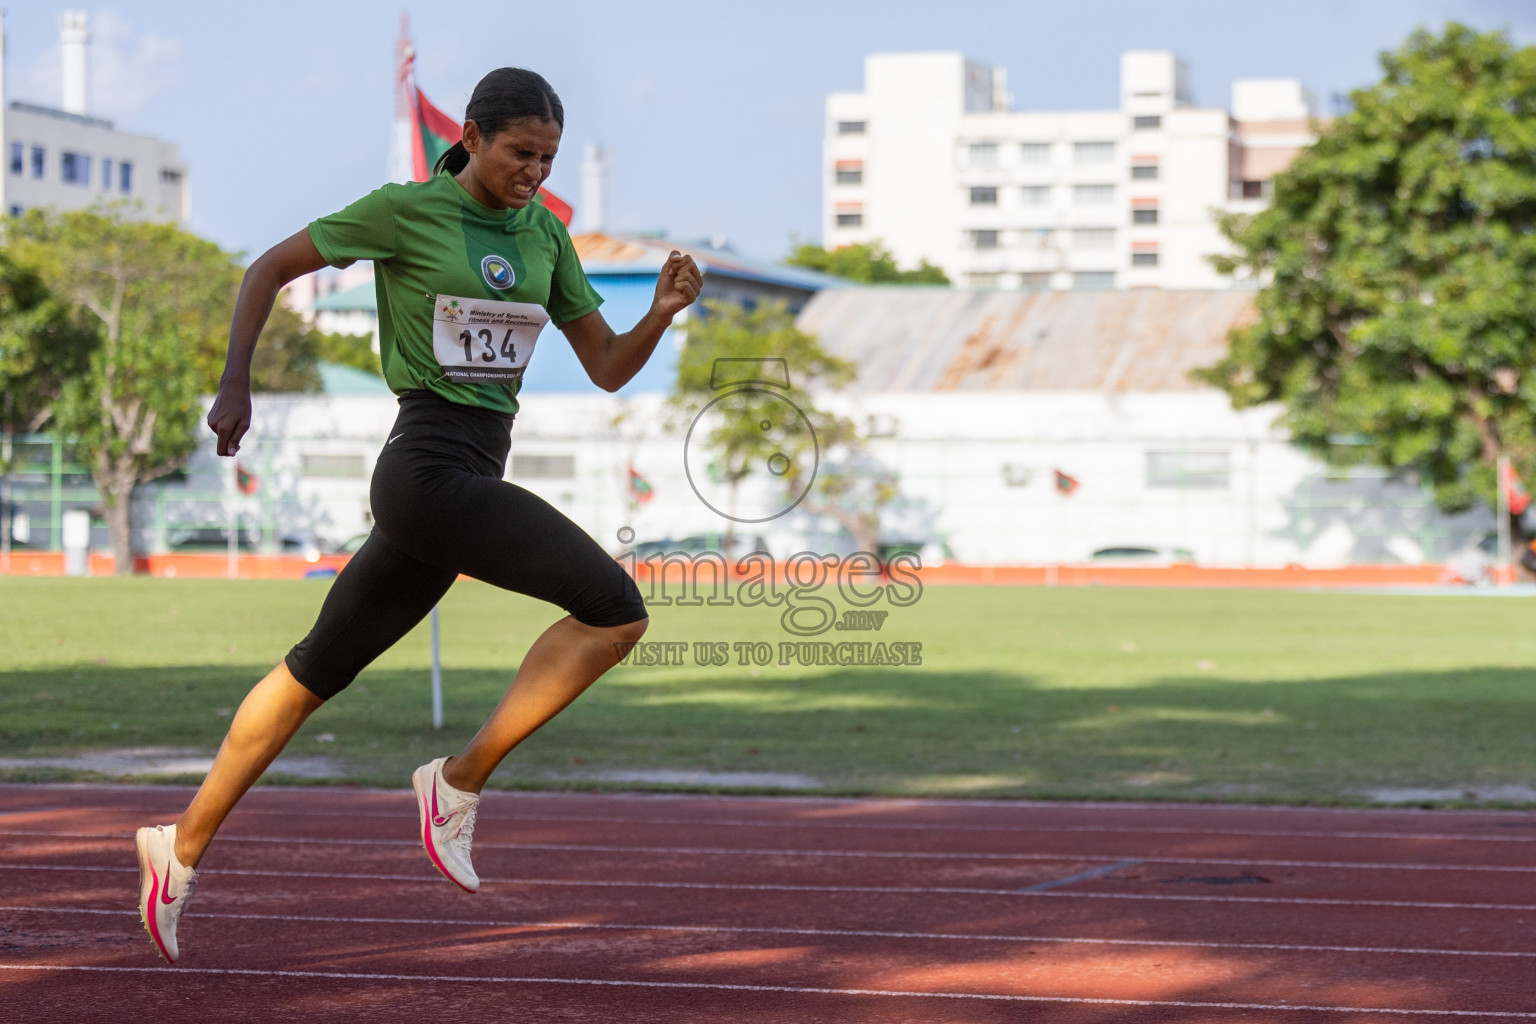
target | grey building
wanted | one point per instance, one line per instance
(69, 160)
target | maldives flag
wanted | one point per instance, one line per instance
(639, 487)
(433, 133)
(245, 480)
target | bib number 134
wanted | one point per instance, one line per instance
(487, 339)
(482, 341)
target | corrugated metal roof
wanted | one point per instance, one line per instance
(925, 339)
(603, 253)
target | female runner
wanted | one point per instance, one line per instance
(468, 269)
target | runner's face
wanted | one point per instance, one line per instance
(510, 167)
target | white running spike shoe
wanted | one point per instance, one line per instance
(447, 824)
(165, 885)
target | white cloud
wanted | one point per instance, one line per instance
(127, 68)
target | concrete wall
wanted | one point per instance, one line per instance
(977, 478)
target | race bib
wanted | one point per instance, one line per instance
(482, 341)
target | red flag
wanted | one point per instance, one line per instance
(1065, 484)
(639, 487)
(245, 480)
(1514, 491)
(433, 133)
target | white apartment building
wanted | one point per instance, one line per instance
(69, 160)
(931, 160)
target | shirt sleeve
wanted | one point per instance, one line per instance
(571, 295)
(363, 231)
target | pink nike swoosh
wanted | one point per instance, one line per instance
(437, 819)
(165, 894)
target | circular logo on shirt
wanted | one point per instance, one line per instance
(497, 273)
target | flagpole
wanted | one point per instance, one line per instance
(234, 519)
(437, 674)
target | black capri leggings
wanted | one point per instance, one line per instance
(441, 508)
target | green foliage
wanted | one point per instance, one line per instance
(726, 330)
(160, 298)
(287, 357)
(42, 344)
(850, 486)
(1398, 258)
(348, 350)
(869, 262)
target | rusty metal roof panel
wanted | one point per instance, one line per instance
(924, 339)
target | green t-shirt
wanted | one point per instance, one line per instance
(432, 238)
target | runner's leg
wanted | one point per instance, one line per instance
(510, 537)
(378, 597)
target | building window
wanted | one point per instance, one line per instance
(984, 195)
(1035, 153)
(983, 154)
(1143, 259)
(850, 127)
(850, 220)
(334, 467)
(1146, 122)
(1251, 189)
(1189, 469)
(1093, 238)
(1146, 215)
(983, 280)
(17, 210)
(850, 175)
(125, 177)
(1035, 281)
(1093, 280)
(984, 239)
(1036, 238)
(1144, 172)
(170, 176)
(106, 173)
(39, 159)
(1093, 195)
(18, 158)
(1093, 152)
(1035, 195)
(75, 169)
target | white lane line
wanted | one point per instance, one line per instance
(823, 932)
(785, 989)
(1081, 876)
(885, 889)
(895, 827)
(1235, 861)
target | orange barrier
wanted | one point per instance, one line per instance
(193, 566)
(1186, 575)
(288, 567)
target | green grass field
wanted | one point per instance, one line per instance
(1022, 692)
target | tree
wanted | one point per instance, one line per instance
(287, 358)
(42, 345)
(758, 430)
(869, 262)
(160, 298)
(1398, 258)
(348, 350)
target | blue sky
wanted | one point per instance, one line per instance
(714, 110)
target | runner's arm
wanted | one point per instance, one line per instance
(612, 360)
(293, 257)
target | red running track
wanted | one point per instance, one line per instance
(319, 904)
